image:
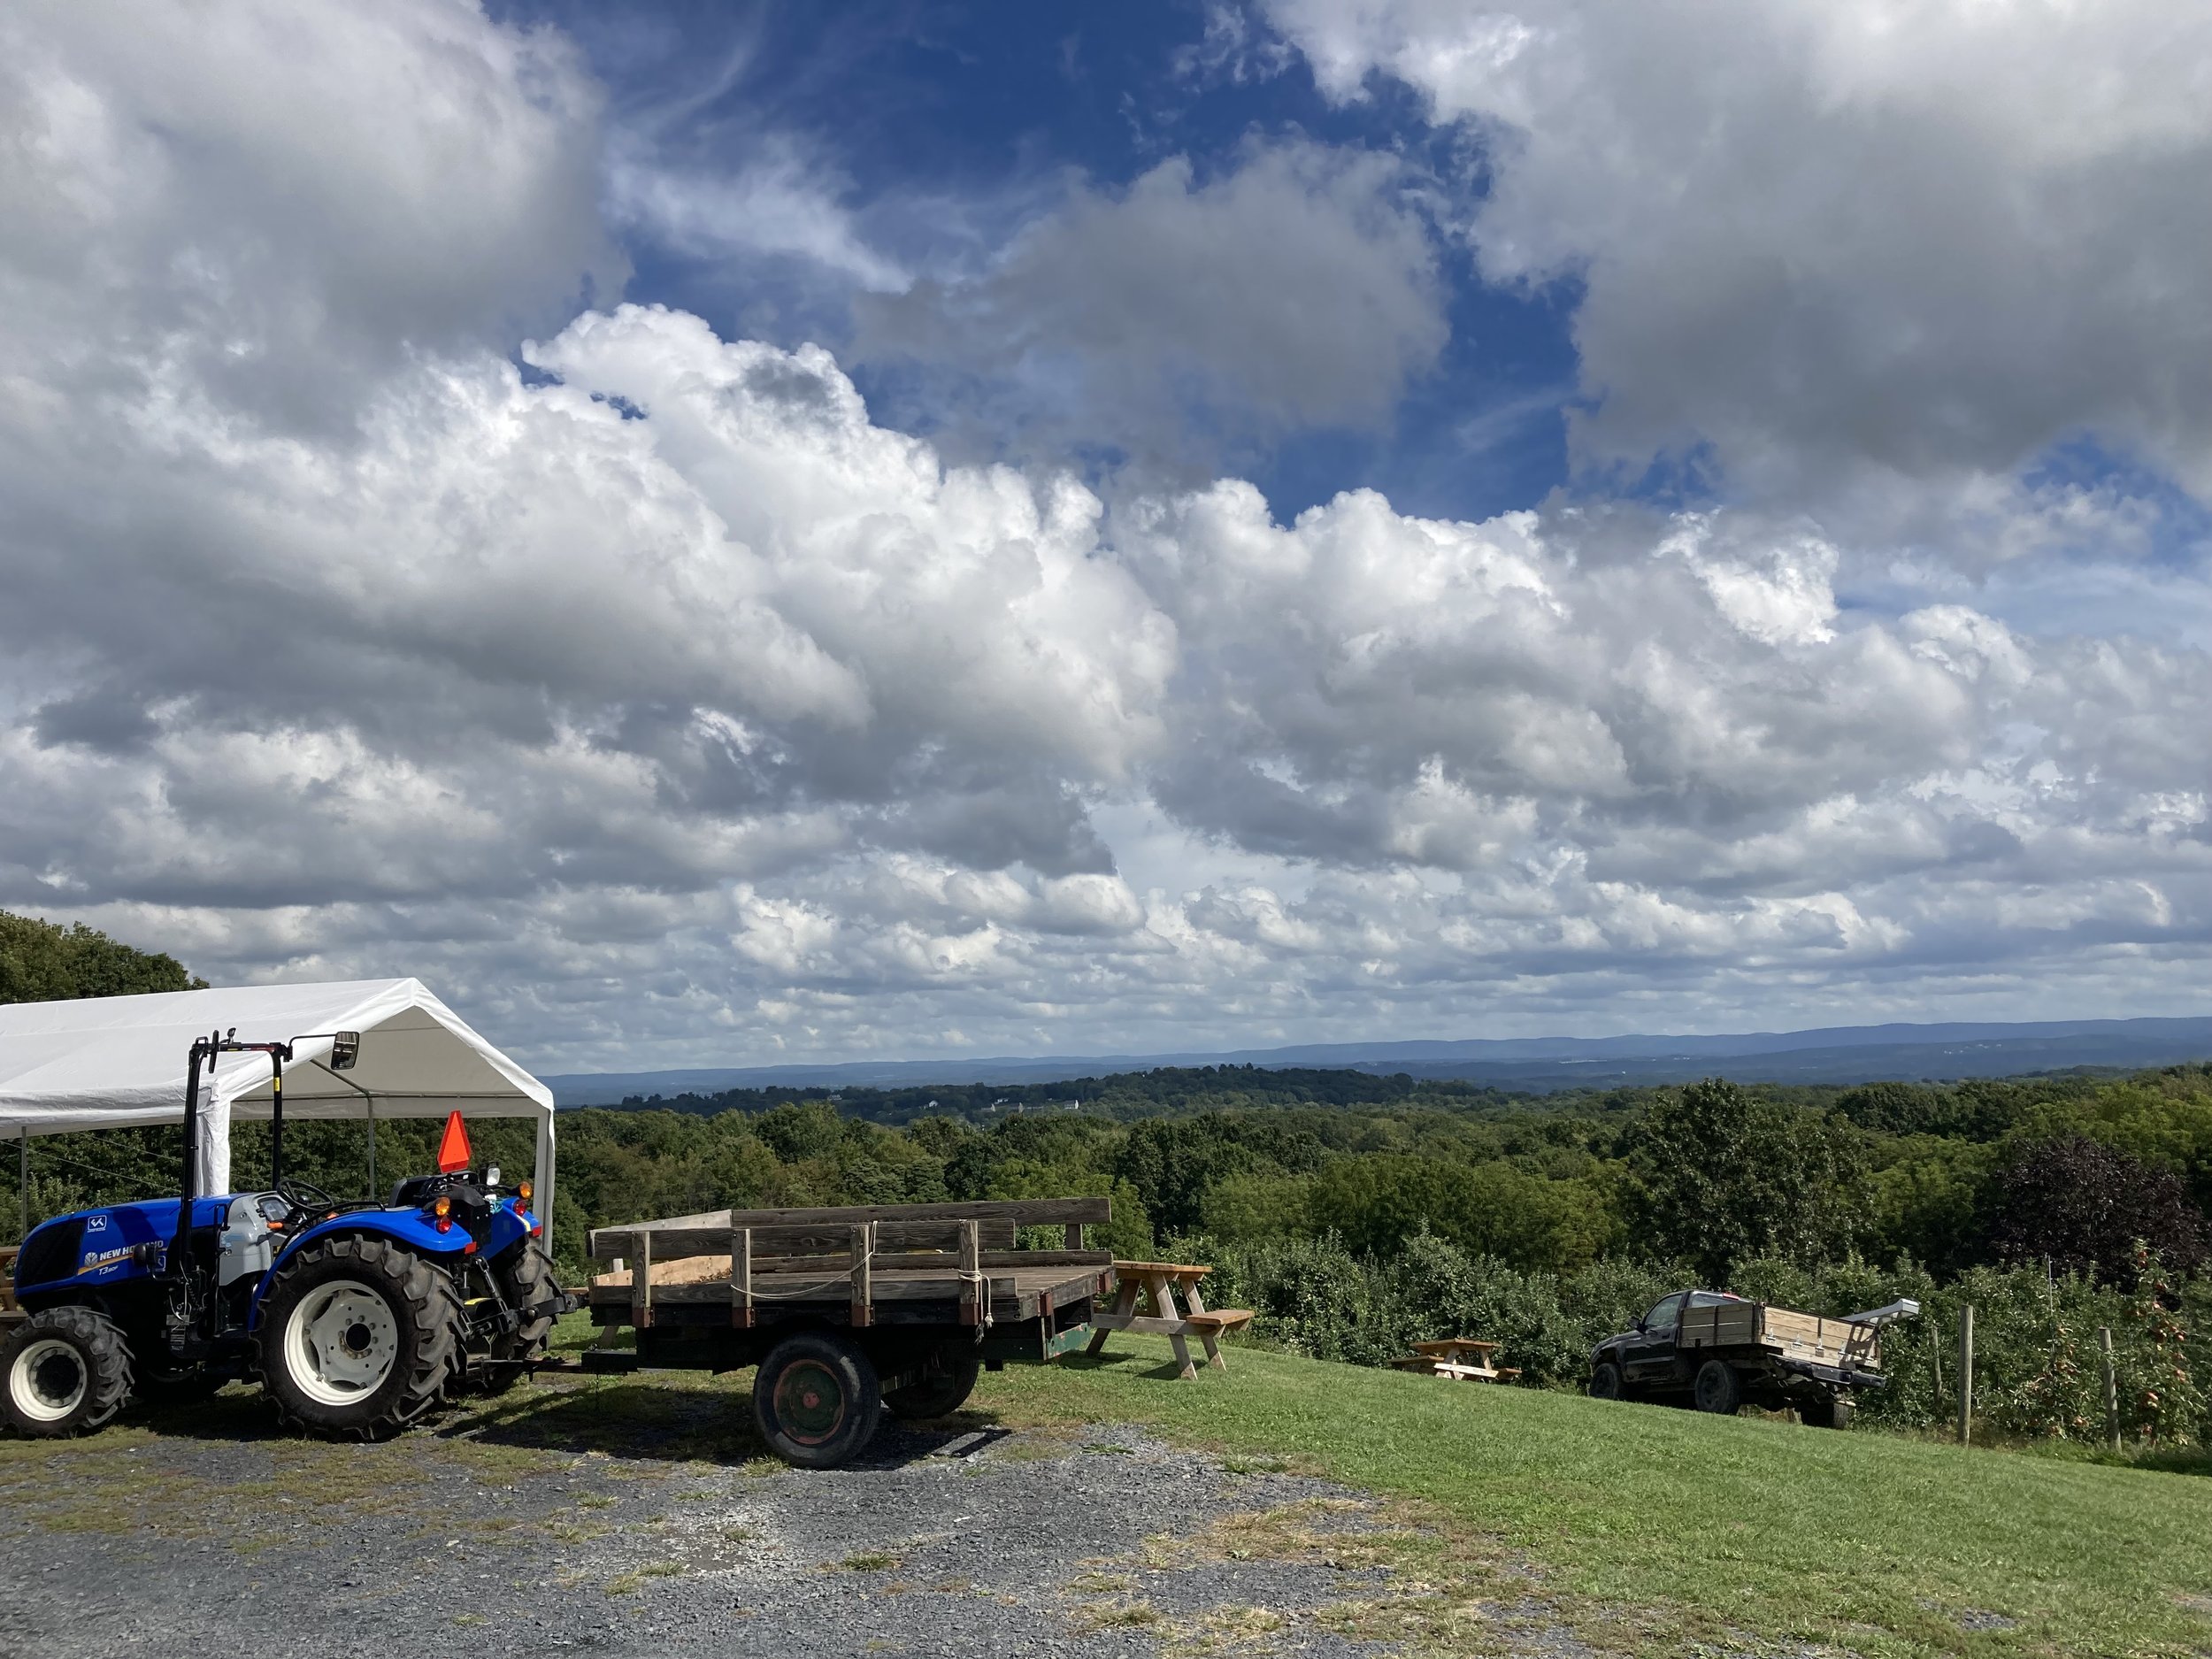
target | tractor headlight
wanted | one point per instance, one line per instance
(491, 1176)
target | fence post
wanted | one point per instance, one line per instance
(1935, 1360)
(1966, 1375)
(2111, 1388)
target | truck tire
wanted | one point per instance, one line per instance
(527, 1279)
(816, 1400)
(358, 1336)
(944, 1391)
(1605, 1381)
(1718, 1389)
(63, 1371)
(1830, 1413)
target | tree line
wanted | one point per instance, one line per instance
(1358, 1212)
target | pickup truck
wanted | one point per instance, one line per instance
(1720, 1353)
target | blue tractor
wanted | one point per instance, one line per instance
(356, 1318)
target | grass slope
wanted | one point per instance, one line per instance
(1694, 1527)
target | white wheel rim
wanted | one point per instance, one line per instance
(48, 1380)
(341, 1342)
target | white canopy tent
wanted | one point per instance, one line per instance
(111, 1061)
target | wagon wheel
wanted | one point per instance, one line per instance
(816, 1399)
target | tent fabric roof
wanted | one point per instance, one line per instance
(101, 1063)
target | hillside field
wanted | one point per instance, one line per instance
(1653, 1529)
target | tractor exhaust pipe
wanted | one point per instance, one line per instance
(201, 1049)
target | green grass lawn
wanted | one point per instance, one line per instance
(1654, 1529)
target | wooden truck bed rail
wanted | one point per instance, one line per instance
(1787, 1336)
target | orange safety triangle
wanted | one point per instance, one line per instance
(453, 1147)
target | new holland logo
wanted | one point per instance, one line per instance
(99, 1259)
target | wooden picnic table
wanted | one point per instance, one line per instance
(10, 1314)
(1159, 1283)
(1458, 1358)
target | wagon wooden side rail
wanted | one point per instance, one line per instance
(867, 1264)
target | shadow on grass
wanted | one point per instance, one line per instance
(638, 1420)
(1127, 1364)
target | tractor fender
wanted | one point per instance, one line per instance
(510, 1226)
(417, 1232)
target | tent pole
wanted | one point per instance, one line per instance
(370, 1100)
(541, 1187)
(24, 1152)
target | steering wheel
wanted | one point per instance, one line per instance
(304, 1194)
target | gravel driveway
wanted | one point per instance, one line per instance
(620, 1519)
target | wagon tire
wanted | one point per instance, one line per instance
(1718, 1389)
(938, 1395)
(816, 1399)
(63, 1371)
(358, 1338)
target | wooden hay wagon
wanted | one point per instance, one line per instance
(848, 1308)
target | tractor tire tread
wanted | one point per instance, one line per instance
(529, 1283)
(101, 1341)
(435, 1312)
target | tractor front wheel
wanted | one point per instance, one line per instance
(358, 1336)
(816, 1399)
(63, 1371)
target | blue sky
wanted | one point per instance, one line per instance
(938, 130)
(718, 535)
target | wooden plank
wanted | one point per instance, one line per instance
(864, 1250)
(1124, 1305)
(1143, 1324)
(741, 1278)
(811, 1238)
(829, 1291)
(1022, 1212)
(766, 1270)
(1220, 1318)
(974, 1306)
(1177, 1269)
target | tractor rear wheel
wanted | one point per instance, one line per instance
(527, 1279)
(816, 1400)
(63, 1371)
(943, 1388)
(358, 1336)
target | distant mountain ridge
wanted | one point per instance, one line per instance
(1839, 1054)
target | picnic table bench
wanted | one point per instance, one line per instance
(1456, 1358)
(1159, 1283)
